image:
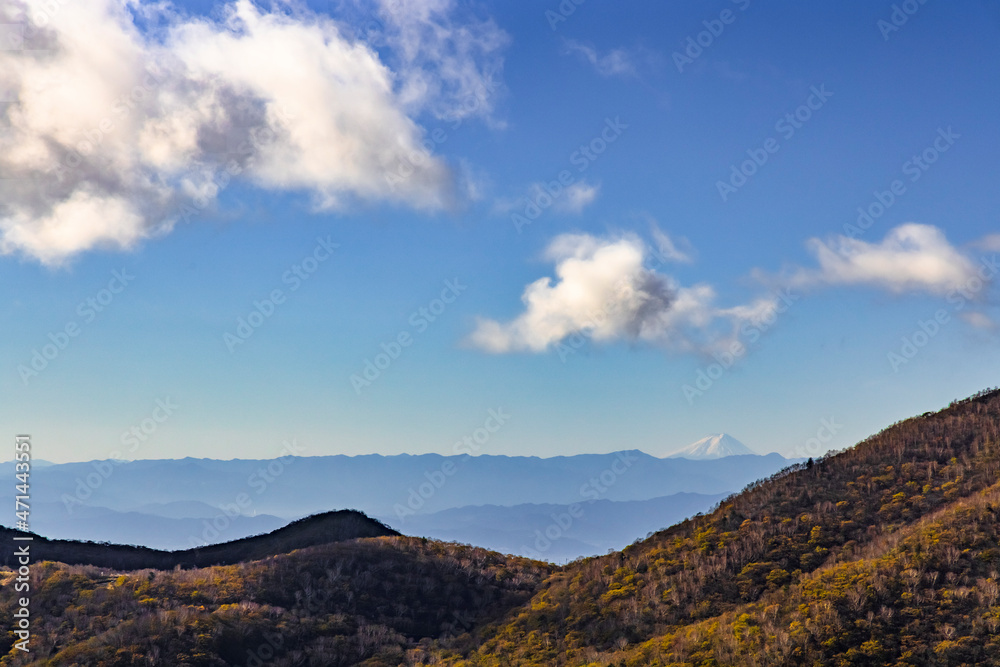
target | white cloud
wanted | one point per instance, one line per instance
(607, 289)
(616, 62)
(473, 181)
(448, 67)
(577, 197)
(990, 243)
(911, 258)
(978, 320)
(112, 138)
(573, 198)
(667, 248)
(604, 290)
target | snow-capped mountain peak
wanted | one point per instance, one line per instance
(713, 447)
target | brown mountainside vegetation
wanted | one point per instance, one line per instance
(799, 541)
(885, 554)
(337, 604)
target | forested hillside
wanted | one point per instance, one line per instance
(885, 554)
(337, 604)
(810, 564)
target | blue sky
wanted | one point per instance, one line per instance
(504, 97)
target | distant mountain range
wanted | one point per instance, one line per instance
(494, 501)
(145, 525)
(556, 533)
(714, 447)
(883, 554)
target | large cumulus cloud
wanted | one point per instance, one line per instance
(112, 132)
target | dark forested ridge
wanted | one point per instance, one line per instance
(307, 532)
(884, 554)
(337, 604)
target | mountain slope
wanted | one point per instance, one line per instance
(922, 596)
(713, 447)
(772, 535)
(366, 601)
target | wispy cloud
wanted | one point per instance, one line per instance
(577, 197)
(572, 199)
(990, 243)
(674, 251)
(110, 139)
(616, 62)
(978, 320)
(450, 66)
(911, 258)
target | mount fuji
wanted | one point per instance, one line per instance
(713, 447)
